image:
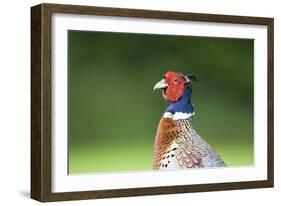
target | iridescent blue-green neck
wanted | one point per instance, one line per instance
(183, 104)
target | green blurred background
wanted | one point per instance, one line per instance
(113, 112)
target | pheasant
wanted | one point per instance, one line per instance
(177, 144)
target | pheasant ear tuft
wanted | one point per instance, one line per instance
(192, 77)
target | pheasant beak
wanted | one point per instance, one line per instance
(160, 85)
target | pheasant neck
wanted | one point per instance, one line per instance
(183, 105)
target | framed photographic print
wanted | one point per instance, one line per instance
(130, 102)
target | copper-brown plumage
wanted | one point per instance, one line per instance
(167, 132)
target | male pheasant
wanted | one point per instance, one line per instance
(177, 145)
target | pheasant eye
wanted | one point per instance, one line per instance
(175, 80)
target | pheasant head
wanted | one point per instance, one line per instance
(177, 88)
(174, 84)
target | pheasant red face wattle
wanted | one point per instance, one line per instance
(172, 86)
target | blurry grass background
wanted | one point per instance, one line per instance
(113, 112)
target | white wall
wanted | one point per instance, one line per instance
(15, 101)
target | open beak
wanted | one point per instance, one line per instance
(160, 85)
